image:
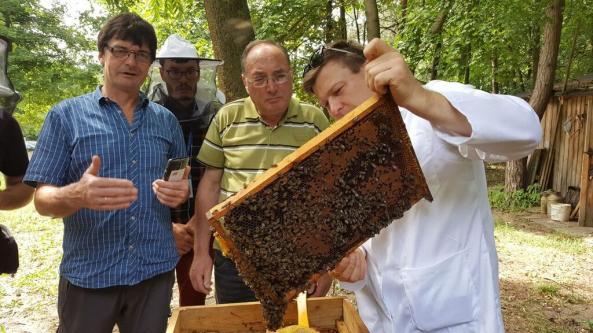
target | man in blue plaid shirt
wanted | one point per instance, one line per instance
(98, 165)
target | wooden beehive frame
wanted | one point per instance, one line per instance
(343, 124)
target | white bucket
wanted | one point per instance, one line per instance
(560, 212)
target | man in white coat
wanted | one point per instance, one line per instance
(435, 269)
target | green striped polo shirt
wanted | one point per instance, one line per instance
(239, 142)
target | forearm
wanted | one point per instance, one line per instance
(206, 198)
(57, 201)
(15, 196)
(435, 108)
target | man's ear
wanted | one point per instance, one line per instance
(244, 79)
(102, 58)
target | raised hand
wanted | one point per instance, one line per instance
(96, 192)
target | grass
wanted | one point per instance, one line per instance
(544, 278)
(32, 291)
(549, 240)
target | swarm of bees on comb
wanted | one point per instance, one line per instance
(330, 196)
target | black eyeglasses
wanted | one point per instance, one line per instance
(321, 53)
(190, 74)
(123, 53)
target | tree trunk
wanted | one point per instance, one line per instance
(436, 59)
(514, 175)
(231, 30)
(329, 22)
(404, 5)
(372, 13)
(515, 170)
(436, 30)
(494, 68)
(356, 23)
(342, 32)
(535, 49)
(548, 56)
(464, 63)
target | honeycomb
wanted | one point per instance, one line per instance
(304, 215)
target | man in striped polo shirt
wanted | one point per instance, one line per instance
(245, 138)
(98, 164)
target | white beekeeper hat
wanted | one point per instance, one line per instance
(175, 47)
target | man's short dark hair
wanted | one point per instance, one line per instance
(353, 58)
(255, 43)
(129, 27)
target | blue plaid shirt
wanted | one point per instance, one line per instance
(126, 246)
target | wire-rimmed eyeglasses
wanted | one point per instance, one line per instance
(262, 81)
(123, 53)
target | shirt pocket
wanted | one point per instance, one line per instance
(441, 295)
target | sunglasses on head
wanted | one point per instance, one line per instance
(321, 53)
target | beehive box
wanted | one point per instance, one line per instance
(303, 215)
(326, 314)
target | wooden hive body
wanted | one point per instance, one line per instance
(339, 189)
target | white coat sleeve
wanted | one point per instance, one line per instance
(504, 127)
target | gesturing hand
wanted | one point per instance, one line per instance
(101, 193)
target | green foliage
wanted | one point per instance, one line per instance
(515, 201)
(475, 35)
(50, 60)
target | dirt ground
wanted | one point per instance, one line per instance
(544, 289)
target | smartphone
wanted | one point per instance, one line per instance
(176, 168)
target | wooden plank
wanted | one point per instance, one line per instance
(174, 324)
(563, 148)
(352, 319)
(586, 201)
(573, 179)
(553, 113)
(341, 326)
(533, 165)
(247, 317)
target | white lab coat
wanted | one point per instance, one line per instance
(436, 269)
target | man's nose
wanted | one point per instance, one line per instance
(271, 86)
(334, 107)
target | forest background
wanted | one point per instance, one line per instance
(503, 46)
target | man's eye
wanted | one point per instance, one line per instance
(144, 54)
(259, 80)
(119, 51)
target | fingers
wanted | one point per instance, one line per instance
(184, 240)
(375, 49)
(93, 169)
(110, 202)
(171, 193)
(108, 193)
(200, 274)
(352, 268)
(323, 285)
